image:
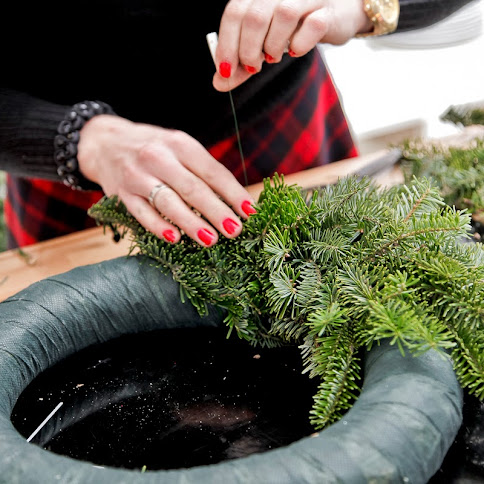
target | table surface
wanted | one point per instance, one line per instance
(21, 268)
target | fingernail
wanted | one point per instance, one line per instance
(225, 69)
(268, 58)
(248, 208)
(292, 53)
(230, 225)
(250, 69)
(169, 235)
(205, 236)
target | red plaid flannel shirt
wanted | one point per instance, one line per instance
(309, 131)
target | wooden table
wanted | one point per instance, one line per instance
(20, 268)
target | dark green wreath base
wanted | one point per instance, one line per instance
(399, 430)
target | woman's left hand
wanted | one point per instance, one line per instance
(254, 31)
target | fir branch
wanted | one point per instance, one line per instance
(339, 383)
(406, 327)
(328, 246)
(311, 288)
(458, 173)
(396, 242)
(282, 293)
(468, 360)
(290, 329)
(278, 245)
(417, 199)
(110, 211)
(334, 272)
(464, 115)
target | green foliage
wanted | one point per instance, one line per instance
(334, 272)
(457, 172)
(464, 116)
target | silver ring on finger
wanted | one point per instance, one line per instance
(154, 192)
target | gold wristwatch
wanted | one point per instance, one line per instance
(383, 15)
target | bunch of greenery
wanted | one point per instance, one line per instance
(458, 172)
(464, 116)
(335, 271)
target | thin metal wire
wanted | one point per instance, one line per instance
(238, 140)
(212, 40)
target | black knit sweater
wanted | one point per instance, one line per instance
(148, 59)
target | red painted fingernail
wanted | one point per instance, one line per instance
(250, 69)
(230, 225)
(248, 208)
(169, 235)
(205, 236)
(292, 53)
(225, 69)
(268, 58)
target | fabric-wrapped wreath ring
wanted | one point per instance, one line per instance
(154, 192)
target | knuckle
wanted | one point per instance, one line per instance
(255, 18)
(148, 151)
(212, 177)
(178, 139)
(234, 12)
(188, 191)
(288, 12)
(316, 25)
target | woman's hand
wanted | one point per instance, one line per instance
(129, 159)
(254, 31)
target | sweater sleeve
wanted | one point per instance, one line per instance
(27, 129)
(416, 14)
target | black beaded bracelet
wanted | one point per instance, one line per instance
(67, 138)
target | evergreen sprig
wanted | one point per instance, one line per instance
(464, 115)
(335, 271)
(458, 172)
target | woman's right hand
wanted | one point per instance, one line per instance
(129, 159)
(254, 31)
